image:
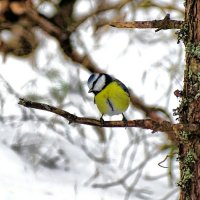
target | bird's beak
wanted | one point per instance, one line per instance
(90, 91)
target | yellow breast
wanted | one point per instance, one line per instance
(112, 100)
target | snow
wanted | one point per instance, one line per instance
(22, 180)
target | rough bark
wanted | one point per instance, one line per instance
(189, 148)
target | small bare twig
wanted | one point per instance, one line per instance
(167, 156)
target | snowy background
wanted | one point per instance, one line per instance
(44, 158)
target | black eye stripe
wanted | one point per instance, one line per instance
(94, 83)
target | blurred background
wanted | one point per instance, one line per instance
(48, 49)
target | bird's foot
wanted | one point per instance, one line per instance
(102, 120)
(125, 120)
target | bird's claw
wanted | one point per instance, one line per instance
(125, 120)
(102, 120)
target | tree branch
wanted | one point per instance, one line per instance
(166, 23)
(163, 126)
(172, 24)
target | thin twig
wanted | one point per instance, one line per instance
(167, 156)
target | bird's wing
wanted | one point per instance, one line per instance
(122, 85)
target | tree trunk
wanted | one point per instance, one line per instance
(189, 148)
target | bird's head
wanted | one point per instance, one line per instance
(97, 82)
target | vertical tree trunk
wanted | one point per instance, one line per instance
(189, 148)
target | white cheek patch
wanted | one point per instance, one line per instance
(100, 83)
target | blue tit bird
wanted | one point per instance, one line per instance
(111, 95)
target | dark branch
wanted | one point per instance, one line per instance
(163, 126)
